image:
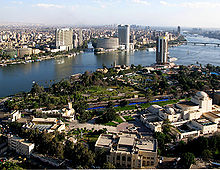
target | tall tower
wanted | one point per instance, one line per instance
(178, 30)
(124, 35)
(64, 39)
(80, 38)
(162, 50)
(75, 41)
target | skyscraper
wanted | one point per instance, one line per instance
(162, 50)
(75, 40)
(124, 35)
(64, 39)
(178, 30)
(80, 38)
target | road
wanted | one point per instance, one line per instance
(75, 124)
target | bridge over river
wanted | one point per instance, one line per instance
(201, 43)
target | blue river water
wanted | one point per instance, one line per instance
(18, 78)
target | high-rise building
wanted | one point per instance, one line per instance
(80, 38)
(162, 50)
(64, 39)
(124, 35)
(75, 40)
(178, 30)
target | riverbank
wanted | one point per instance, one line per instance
(39, 59)
(20, 77)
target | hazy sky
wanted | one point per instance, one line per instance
(189, 13)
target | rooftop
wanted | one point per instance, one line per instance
(213, 114)
(127, 143)
(126, 140)
(104, 140)
(187, 104)
(47, 120)
(146, 144)
(204, 122)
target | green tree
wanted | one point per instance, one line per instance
(187, 159)
(82, 156)
(108, 165)
(206, 154)
(36, 89)
(10, 166)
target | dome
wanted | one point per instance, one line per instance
(170, 110)
(201, 94)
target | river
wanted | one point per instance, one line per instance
(18, 78)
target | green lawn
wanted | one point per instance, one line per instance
(118, 119)
(92, 138)
(119, 108)
(110, 124)
(146, 105)
(128, 118)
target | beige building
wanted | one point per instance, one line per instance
(187, 110)
(64, 39)
(49, 125)
(213, 116)
(129, 150)
(12, 117)
(152, 121)
(25, 52)
(205, 126)
(20, 145)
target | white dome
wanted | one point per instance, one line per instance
(201, 94)
(170, 110)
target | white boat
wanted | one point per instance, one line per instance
(172, 59)
(151, 49)
(60, 61)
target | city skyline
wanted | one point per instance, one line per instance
(191, 13)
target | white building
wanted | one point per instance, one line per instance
(127, 150)
(64, 39)
(205, 126)
(152, 121)
(199, 104)
(189, 117)
(20, 145)
(49, 125)
(203, 100)
(171, 113)
(162, 50)
(124, 35)
(213, 116)
(15, 115)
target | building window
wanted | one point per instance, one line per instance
(148, 157)
(152, 163)
(152, 158)
(123, 158)
(129, 158)
(118, 157)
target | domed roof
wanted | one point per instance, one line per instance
(170, 110)
(201, 94)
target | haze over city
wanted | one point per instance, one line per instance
(191, 13)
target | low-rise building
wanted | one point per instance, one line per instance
(213, 116)
(171, 113)
(49, 125)
(127, 150)
(152, 121)
(12, 117)
(20, 145)
(205, 126)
